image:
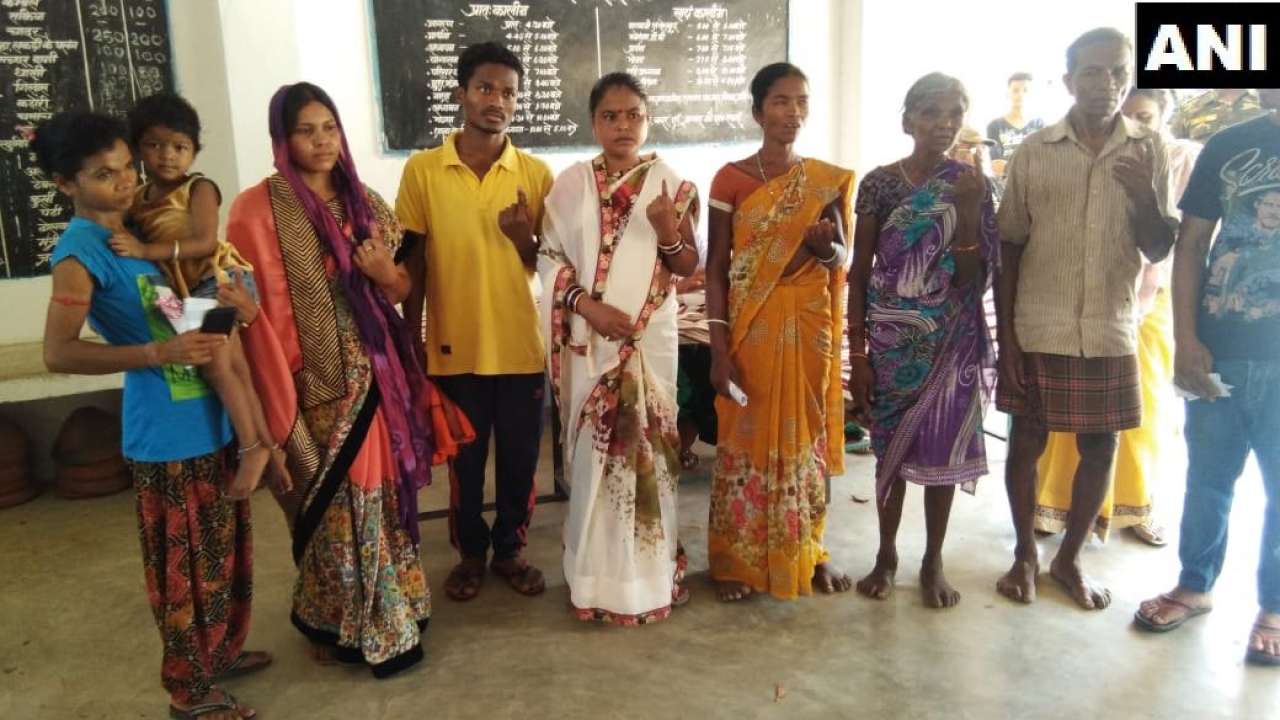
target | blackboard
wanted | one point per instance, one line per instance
(696, 61)
(60, 55)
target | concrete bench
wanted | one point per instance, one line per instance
(23, 376)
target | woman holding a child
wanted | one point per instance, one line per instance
(196, 540)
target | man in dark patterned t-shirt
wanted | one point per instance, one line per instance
(1226, 303)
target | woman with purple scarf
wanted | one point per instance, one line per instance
(342, 383)
(925, 251)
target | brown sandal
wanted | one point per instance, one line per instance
(520, 575)
(1149, 534)
(465, 580)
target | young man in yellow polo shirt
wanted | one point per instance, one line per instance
(474, 205)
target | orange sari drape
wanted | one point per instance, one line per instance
(768, 500)
(273, 348)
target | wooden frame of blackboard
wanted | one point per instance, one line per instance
(384, 145)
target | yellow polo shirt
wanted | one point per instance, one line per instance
(481, 315)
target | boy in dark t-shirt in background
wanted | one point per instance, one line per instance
(1009, 130)
(1226, 303)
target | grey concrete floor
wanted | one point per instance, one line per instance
(77, 640)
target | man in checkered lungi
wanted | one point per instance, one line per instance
(1087, 198)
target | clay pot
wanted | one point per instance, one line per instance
(87, 456)
(14, 444)
(15, 468)
(76, 482)
(16, 488)
(89, 435)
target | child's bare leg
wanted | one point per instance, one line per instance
(239, 403)
(240, 364)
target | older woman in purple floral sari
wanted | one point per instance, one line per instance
(926, 249)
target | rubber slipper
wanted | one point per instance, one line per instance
(246, 663)
(1166, 600)
(1254, 656)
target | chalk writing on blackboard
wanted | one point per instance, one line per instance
(694, 60)
(65, 55)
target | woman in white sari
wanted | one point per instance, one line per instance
(612, 346)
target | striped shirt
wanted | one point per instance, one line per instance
(1077, 280)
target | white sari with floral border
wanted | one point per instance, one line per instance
(616, 398)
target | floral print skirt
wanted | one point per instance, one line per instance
(197, 551)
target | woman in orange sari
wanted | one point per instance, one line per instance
(775, 284)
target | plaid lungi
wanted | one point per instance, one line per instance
(1076, 394)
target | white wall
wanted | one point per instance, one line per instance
(260, 53)
(200, 68)
(981, 43)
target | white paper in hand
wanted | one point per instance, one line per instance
(1224, 390)
(193, 312)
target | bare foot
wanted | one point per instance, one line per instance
(934, 588)
(830, 579)
(252, 464)
(323, 654)
(733, 591)
(1019, 584)
(1087, 594)
(878, 584)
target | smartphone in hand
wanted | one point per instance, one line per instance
(219, 321)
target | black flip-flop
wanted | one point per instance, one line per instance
(1253, 656)
(244, 665)
(1145, 623)
(228, 702)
